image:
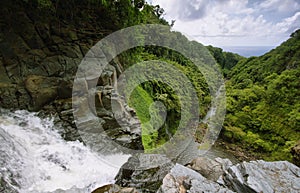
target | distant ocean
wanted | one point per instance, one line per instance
(248, 51)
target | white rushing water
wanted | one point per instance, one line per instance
(35, 159)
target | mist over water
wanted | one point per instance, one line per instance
(35, 159)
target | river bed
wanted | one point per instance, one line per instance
(35, 159)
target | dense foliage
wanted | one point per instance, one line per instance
(226, 60)
(147, 93)
(263, 102)
(143, 97)
(263, 108)
(110, 14)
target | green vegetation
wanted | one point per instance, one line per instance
(157, 131)
(263, 102)
(263, 109)
(163, 92)
(263, 93)
(226, 60)
(141, 101)
(110, 14)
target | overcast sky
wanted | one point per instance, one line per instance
(234, 22)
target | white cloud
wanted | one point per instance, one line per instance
(234, 7)
(234, 22)
(280, 5)
(290, 24)
(183, 10)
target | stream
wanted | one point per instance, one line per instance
(35, 159)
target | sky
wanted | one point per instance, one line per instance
(225, 23)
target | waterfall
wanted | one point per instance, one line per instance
(35, 159)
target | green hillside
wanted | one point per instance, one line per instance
(49, 38)
(263, 102)
(226, 60)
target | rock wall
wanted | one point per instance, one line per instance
(39, 55)
(36, 53)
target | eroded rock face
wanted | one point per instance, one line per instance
(182, 179)
(39, 58)
(144, 172)
(44, 90)
(12, 95)
(247, 177)
(211, 169)
(110, 188)
(113, 188)
(114, 120)
(260, 176)
(31, 45)
(5, 187)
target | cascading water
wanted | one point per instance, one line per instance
(35, 159)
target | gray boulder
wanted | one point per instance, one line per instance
(145, 172)
(247, 177)
(182, 179)
(260, 176)
(112, 188)
(211, 169)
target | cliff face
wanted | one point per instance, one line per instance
(34, 42)
(41, 48)
(40, 51)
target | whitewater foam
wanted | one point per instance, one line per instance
(35, 159)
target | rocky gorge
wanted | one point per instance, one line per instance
(39, 60)
(221, 175)
(39, 57)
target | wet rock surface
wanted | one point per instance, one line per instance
(5, 187)
(211, 169)
(144, 172)
(38, 62)
(260, 176)
(39, 58)
(253, 177)
(113, 188)
(182, 179)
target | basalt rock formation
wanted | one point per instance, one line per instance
(39, 56)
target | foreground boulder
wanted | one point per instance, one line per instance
(145, 172)
(112, 188)
(182, 179)
(260, 176)
(247, 177)
(211, 169)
